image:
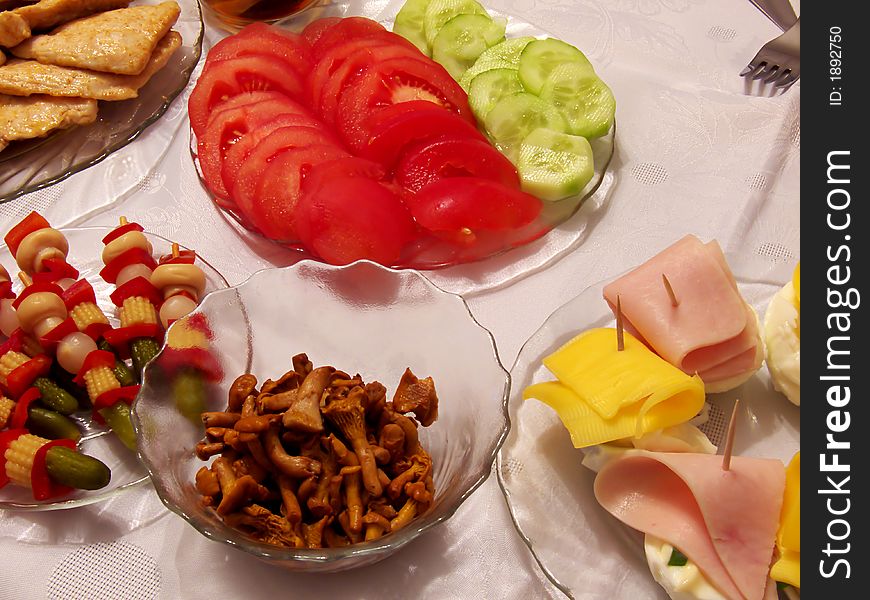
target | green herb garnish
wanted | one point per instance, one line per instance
(678, 559)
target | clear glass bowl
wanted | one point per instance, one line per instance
(86, 247)
(580, 547)
(361, 318)
(34, 164)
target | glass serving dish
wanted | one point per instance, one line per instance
(582, 549)
(31, 165)
(432, 253)
(361, 318)
(86, 247)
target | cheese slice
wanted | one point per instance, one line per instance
(787, 568)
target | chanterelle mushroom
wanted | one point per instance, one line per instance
(348, 415)
(304, 413)
(417, 396)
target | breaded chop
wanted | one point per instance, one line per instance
(48, 13)
(118, 41)
(26, 77)
(2, 58)
(26, 118)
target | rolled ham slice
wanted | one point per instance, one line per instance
(712, 332)
(723, 521)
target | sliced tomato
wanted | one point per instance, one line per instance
(239, 152)
(272, 205)
(224, 79)
(356, 133)
(244, 99)
(342, 167)
(348, 218)
(348, 28)
(424, 162)
(458, 207)
(229, 126)
(390, 136)
(315, 29)
(260, 38)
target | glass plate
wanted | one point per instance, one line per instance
(500, 261)
(85, 254)
(34, 164)
(580, 547)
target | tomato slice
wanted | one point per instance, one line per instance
(260, 38)
(342, 167)
(424, 162)
(273, 205)
(459, 207)
(348, 218)
(315, 29)
(227, 78)
(391, 135)
(244, 99)
(229, 126)
(239, 152)
(348, 28)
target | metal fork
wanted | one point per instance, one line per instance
(779, 60)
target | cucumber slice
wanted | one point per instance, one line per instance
(440, 11)
(583, 99)
(554, 165)
(488, 88)
(541, 57)
(409, 24)
(505, 55)
(464, 38)
(514, 117)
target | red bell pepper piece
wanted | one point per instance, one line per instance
(137, 287)
(22, 408)
(51, 339)
(32, 222)
(94, 359)
(6, 290)
(55, 270)
(130, 257)
(22, 376)
(79, 292)
(6, 438)
(45, 286)
(123, 394)
(199, 322)
(121, 337)
(184, 257)
(121, 230)
(173, 360)
(44, 487)
(13, 343)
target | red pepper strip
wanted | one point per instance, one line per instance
(32, 222)
(96, 330)
(139, 286)
(173, 360)
(94, 359)
(52, 338)
(6, 439)
(22, 376)
(79, 292)
(125, 259)
(121, 230)
(199, 322)
(49, 287)
(121, 337)
(124, 394)
(43, 485)
(14, 343)
(184, 257)
(55, 270)
(6, 290)
(22, 406)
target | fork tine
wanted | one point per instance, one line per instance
(775, 73)
(764, 72)
(787, 79)
(751, 70)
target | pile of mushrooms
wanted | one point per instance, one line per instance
(318, 458)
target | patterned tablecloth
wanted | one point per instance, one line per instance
(695, 153)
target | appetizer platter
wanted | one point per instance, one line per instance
(460, 148)
(85, 311)
(81, 81)
(573, 374)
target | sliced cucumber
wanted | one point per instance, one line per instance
(505, 55)
(541, 57)
(488, 88)
(409, 24)
(464, 38)
(440, 11)
(514, 117)
(583, 99)
(554, 165)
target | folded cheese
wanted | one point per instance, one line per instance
(725, 522)
(787, 567)
(604, 394)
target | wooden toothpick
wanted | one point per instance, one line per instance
(620, 332)
(729, 438)
(123, 220)
(25, 279)
(674, 302)
(175, 250)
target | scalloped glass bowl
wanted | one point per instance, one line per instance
(32, 165)
(361, 318)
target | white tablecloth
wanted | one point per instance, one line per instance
(695, 153)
